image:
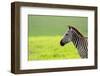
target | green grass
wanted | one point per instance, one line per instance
(44, 48)
(45, 33)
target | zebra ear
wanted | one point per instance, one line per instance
(69, 27)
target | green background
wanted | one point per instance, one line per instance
(45, 33)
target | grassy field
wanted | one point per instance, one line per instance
(45, 33)
(44, 48)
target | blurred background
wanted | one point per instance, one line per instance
(45, 33)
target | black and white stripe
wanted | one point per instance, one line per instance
(81, 44)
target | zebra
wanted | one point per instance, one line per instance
(79, 41)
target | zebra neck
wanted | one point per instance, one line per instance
(81, 44)
(75, 39)
(75, 42)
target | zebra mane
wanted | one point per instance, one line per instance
(71, 27)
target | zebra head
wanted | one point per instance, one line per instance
(67, 37)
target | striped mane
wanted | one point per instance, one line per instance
(71, 27)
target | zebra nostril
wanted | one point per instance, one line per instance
(61, 43)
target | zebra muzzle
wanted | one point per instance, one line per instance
(61, 43)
